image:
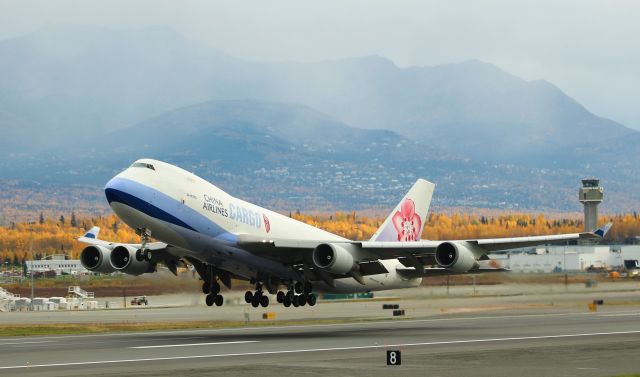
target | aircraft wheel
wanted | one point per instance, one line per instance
(210, 299)
(264, 301)
(255, 302)
(139, 255)
(311, 299)
(280, 297)
(302, 300)
(215, 288)
(298, 287)
(286, 301)
(295, 302)
(206, 288)
(248, 297)
(147, 255)
(219, 300)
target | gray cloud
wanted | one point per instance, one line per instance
(587, 48)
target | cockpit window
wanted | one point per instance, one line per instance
(142, 165)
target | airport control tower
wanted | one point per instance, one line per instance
(590, 195)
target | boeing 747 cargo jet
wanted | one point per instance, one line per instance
(224, 237)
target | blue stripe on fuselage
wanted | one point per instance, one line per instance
(164, 207)
(114, 195)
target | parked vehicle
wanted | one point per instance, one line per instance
(139, 300)
(632, 267)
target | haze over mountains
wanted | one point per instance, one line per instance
(79, 103)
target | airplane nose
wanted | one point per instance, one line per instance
(114, 191)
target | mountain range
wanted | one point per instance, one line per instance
(79, 103)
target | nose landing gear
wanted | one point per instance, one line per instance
(143, 253)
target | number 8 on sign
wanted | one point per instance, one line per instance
(393, 358)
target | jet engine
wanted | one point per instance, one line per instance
(96, 259)
(456, 256)
(333, 258)
(124, 259)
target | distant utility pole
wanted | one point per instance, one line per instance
(32, 261)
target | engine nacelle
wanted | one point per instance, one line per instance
(125, 258)
(456, 256)
(333, 258)
(96, 259)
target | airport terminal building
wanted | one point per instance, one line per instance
(56, 263)
(575, 258)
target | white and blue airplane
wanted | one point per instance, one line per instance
(224, 237)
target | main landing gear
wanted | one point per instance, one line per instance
(299, 294)
(211, 288)
(257, 298)
(214, 299)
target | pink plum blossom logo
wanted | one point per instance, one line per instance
(407, 222)
(267, 226)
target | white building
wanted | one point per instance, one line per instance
(56, 263)
(569, 258)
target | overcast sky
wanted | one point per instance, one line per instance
(590, 49)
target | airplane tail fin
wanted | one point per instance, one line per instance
(603, 230)
(406, 221)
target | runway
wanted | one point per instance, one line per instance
(524, 344)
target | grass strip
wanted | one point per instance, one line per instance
(123, 327)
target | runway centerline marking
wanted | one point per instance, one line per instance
(197, 344)
(376, 346)
(619, 315)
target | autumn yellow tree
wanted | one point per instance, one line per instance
(51, 236)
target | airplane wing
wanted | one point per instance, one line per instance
(291, 250)
(487, 244)
(91, 238)
(411, 272)
(160, 251)
(416, 255)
